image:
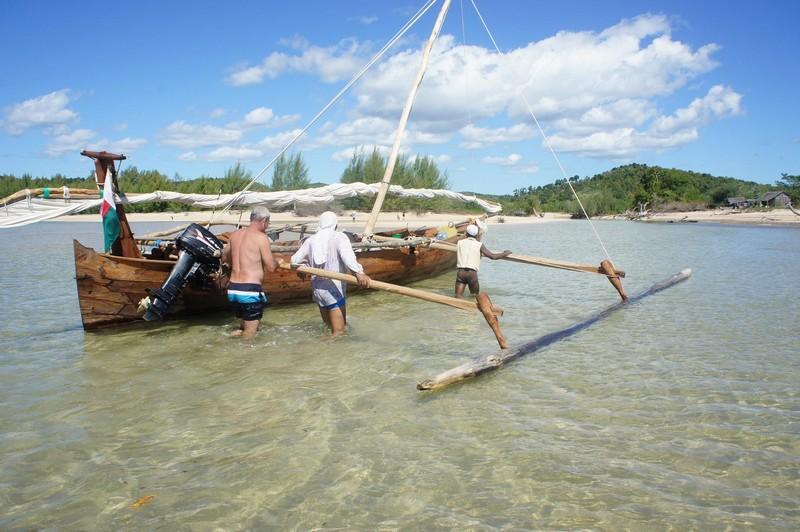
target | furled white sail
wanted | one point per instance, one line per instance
(32, 210)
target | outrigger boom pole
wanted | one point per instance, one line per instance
(606, 267)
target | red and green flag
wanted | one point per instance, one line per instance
(108, 210)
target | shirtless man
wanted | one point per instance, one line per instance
(469, 253)
(248, 253)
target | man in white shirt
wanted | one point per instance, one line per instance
(469, 253)
(330, 250)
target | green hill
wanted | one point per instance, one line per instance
(626, 187)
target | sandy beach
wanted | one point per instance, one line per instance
(386, 220)
(724, 216)
(391, 220)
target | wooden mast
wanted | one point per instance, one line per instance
(387, 176)
(125, 245)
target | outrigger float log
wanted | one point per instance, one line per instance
(498, 359)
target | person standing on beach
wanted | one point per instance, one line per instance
(330, 250)
(469, 253)
(248, 253)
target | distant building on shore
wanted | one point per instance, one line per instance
(768, 199)
(738, 202)
(774, 199)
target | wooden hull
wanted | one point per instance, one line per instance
(110, 287)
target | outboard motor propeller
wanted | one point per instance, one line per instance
(199, 257)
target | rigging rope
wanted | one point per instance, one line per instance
(546, 139)
(402, 31)
(466, 78)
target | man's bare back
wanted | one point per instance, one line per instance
(249, 255)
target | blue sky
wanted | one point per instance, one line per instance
(191, 88)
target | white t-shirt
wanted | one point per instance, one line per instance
(339, 258)
(469, 253)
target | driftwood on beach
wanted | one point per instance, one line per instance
(499, 358)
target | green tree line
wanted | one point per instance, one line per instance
(613, 191)
(289, 173)
(417, 172)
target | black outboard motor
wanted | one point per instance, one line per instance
(198, 258)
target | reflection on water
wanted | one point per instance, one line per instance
(681, 411)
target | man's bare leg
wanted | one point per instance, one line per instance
(335, 319)
(475, 287)
(338, 322)
(238, 332)
(460, 289)
(326, 317)
(249, 329)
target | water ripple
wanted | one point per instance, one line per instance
(680, 412)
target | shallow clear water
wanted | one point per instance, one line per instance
(682, 411)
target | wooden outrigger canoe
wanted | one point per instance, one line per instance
(110, 287)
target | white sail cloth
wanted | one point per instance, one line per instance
(34, 210)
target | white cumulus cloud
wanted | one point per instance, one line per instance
(259, 116)
(188, 136)
(377, 131)
(525, 169)
(47, 110)
(509, 160)
(513, 162)
(233, 153)
(263, 117)
(332, 63)
(478, 137)
(277, 142)
(720, 102)
(347, 153)
(125, 145)
(663, 132)
(71, 141)
(605, 93)
(581, 84)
